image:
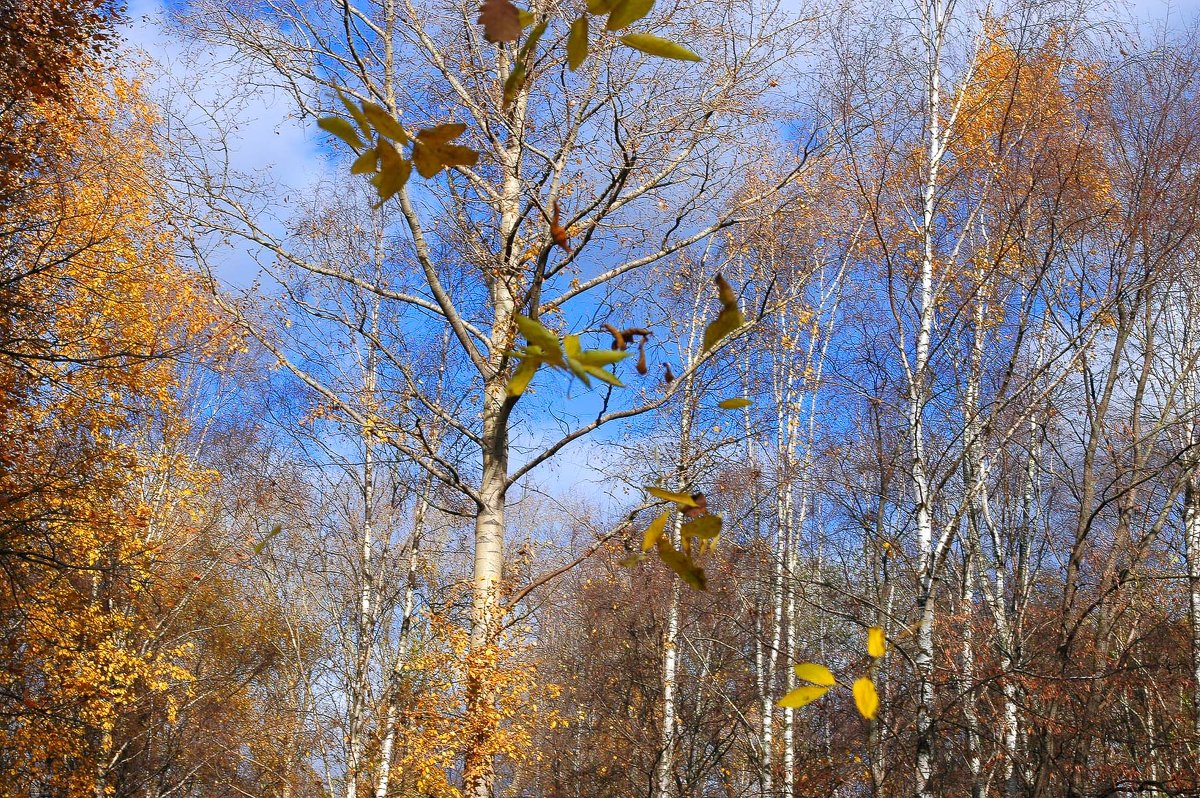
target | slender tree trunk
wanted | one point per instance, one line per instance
(1191, 524)
(666, 762)
(479, 767)
(918, 394)
(391, 714)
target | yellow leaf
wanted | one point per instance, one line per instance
(654, 531)
(706, 527)
(817, 674)
(578, 369)
(521, 377)
(532, 40)
(656, 45)
(876, 642)
(394, 170)
(366, 163)
(513, 84)
(600, 6)
(865, 698)
(802, 696)
(577, 43)
(384, 123)
(342, 129)
(360, 118)
(728, 320)
(627, 12)
(262, 544)
(734, 404)
(601, 357)
(440, 134)
(431, 153)
(682, 565)
(632, 560)
(526, 18)
(682, 499)
(542, 338)
(602, 374)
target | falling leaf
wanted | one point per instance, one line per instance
(654, 531)
(356, 113)
(366, 163)
(501, 21)
(394, 170)
(682, 565)
(817, 674)
(802, 696)
(632, 560)
(432, 151)
(513, 83)
(865, 698)
(627, 12)
(521, 377)
(385, 123)
(728, 320)
(705, 527)
(655, 45)
(577, 43)
(876, 642)
(725, 294)
(262, 544)
(540, 337)
(734, 404)
(532, 40)
(339, 127)
(600, 6)
(699, 507)
(557, 232)
(601, 357)
(682, 499)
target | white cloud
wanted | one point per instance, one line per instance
(202, 91)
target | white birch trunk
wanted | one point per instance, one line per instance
(666, 762)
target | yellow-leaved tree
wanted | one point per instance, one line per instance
(95, 318)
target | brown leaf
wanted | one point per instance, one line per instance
(558, 232)
(501, 21)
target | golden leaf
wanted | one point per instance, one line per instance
(682, 565)
(654, 531)
(384, 123)
(876, 642)
(656, 45)
(431, 151)
(366, 163)
(817, 674)
(705, 527)
(540, 337)
(734, 404)
(577, 43)
(802, 696)
(339, 127)
(521, 377)
(627, 12)
(262, 544)
(865, 698)
(682, 499)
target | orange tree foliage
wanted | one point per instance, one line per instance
(44, 45)
(95, 315)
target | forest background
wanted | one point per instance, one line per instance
(733, 398)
